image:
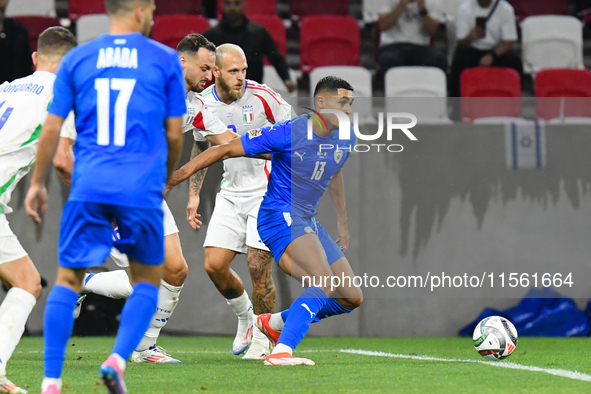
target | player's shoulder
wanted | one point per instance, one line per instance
(38, 82)
(262, 91)
(208, 94)
(195, 100)
(159, 48)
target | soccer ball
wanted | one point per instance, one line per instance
(495, 338)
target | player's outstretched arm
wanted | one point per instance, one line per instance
(37, 195)
(336, 190)
(174, 137)
(233, 148)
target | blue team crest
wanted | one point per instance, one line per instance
(338, 155)
(247, 114)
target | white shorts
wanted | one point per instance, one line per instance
(170, 227)
(10, 248)
(233, 224)
(169, 223)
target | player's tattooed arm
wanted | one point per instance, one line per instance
(336, 190)
(218, 139)
(195, 184)
(233, 148)
(263, 289)
(196, 180)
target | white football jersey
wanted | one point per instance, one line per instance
(200, 120)
(23, 110)
(260, 106)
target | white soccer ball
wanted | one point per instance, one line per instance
(495, 338)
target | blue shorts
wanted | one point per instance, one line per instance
(86, 234)
(278, 229)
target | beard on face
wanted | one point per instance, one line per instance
(193, 85)
(229, 89)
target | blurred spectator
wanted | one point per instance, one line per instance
(406, 30)
(15, 51)
(253, 38)
(486, 32)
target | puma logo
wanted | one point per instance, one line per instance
(312, 314)
(300, 155)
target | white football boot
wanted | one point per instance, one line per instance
(243, 333)
(154, 354)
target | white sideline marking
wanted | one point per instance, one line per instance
(557, 372)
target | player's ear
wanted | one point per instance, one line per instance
(183, 60)
(216, 71)
(34, 57)
(320, 102)
(138, 15)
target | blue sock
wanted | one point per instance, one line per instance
(135, 318)
(331, 308)
(301, 313)
(57, 327)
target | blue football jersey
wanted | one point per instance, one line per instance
(121, 88)
(302, 168)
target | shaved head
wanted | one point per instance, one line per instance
(115, 7)
(224, 49)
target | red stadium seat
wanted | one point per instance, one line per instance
(490, 92)
(525, 8)
(329, 41)
(77, 8)
(254, 7)
(563, 93)
(303, 8)
(35, 26)
(170, 29)
(168, 7)
(276, 28)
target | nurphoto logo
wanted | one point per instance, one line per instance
(395, 121)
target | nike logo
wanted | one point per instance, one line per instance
(312, 314)
(300, 155)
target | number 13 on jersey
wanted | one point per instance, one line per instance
(318, 170)
(103, 88)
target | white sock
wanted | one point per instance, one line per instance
(281, 348)
(112, 284)
(276, 322)
(258, 336)
(168, 298)
(121, 363)
(14, 311)
(241, 305)
(49, 381)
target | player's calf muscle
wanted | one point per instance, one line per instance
(263, 294)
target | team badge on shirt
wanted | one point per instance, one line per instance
(338, 155)
(247, 114)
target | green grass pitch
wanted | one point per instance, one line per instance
(208, 365)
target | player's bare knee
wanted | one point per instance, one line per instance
(176, 274)
(215, 266)
(350, 303)
(33, 285)
(25, 276)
